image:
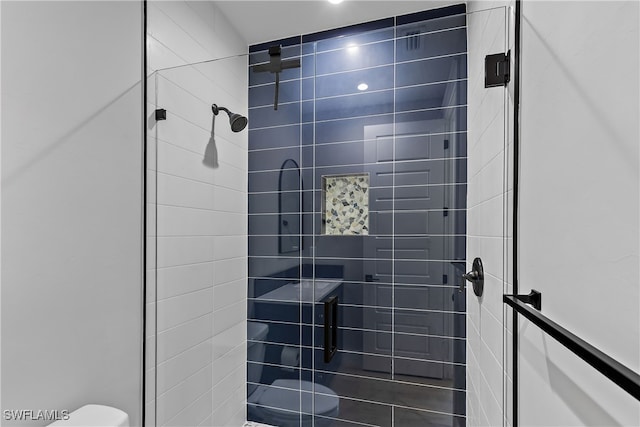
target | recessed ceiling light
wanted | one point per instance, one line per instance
(352, 48)
(363, 86)
(335, 1)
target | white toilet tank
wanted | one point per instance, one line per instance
(95, 416)
(255, 352)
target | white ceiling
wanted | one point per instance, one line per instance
(262, 21)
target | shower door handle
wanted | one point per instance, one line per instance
(330, 328)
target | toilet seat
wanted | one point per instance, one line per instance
(282, 400)
(95, 415)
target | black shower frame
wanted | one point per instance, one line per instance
(144, 213)
(516, 172)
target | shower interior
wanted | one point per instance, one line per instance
(384, 281)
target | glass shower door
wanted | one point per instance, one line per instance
(489, 201)
(405, 106)
(197, 280)
(374, 185)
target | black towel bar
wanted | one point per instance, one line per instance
(624, 377)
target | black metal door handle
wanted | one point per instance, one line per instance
(476, 277)
(330, 328)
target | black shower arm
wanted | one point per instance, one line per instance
(217, 109)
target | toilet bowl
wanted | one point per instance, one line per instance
(280, 403)
(95, 416)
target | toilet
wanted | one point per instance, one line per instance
(95, 416)
(278, 404)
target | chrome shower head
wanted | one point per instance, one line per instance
(236, 121)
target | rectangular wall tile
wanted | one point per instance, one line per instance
(401, 323)
(201, 187)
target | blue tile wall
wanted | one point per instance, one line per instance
(401, 319)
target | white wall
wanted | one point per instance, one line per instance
(490, 117)
(71, 205)
(201, 183)
(579, 205)
(0, 210)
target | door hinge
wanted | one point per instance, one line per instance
(445, 211)
(497, 69)
(446, 144)
(445, 279)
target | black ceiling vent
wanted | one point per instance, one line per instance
(413, 40)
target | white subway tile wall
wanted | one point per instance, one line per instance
(490, 30)
(197, 231)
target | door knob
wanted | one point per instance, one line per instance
(476, 277)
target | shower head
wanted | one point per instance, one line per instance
(237, 121)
